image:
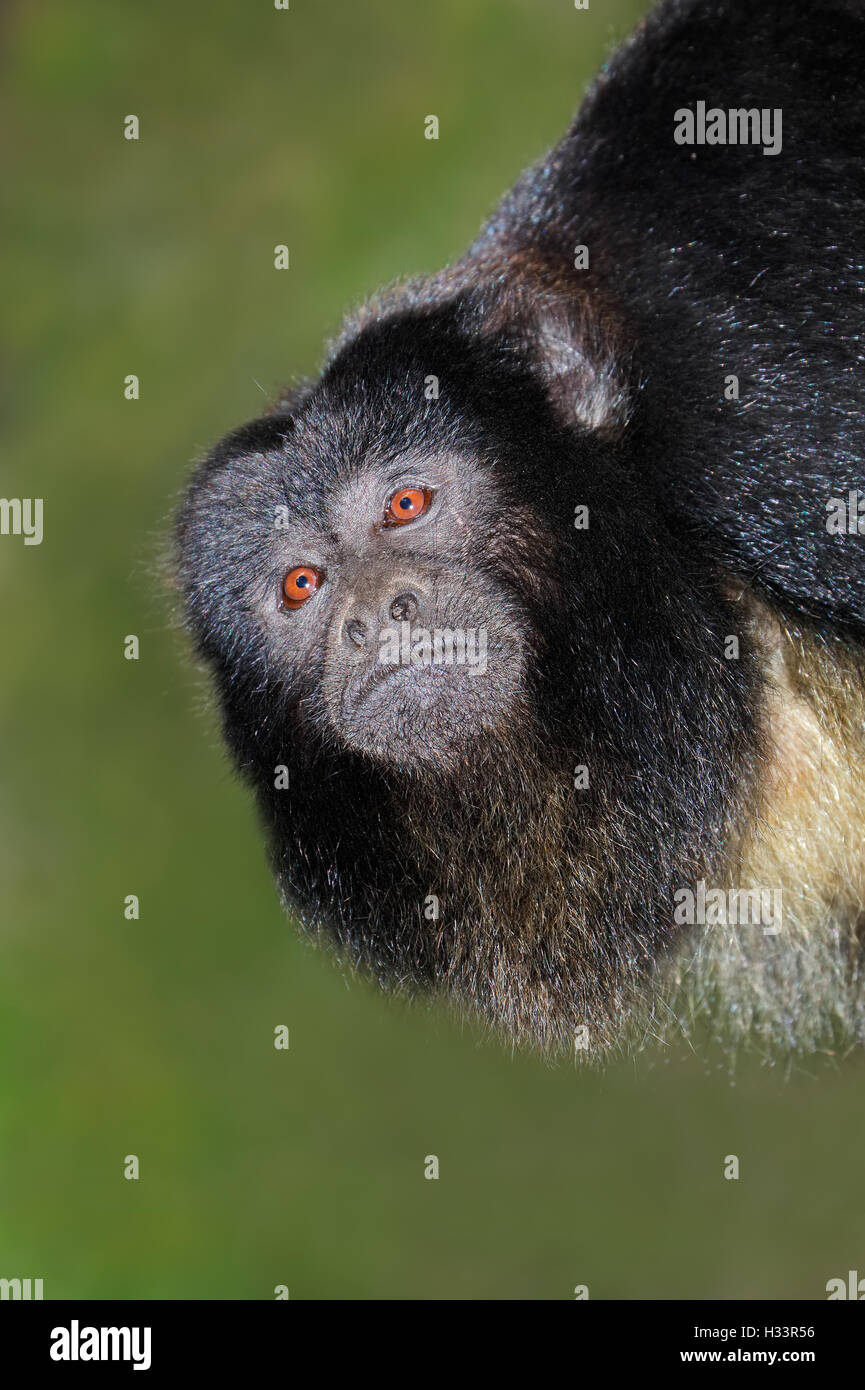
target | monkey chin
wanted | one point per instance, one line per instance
(425, 720)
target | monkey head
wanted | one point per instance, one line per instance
(428, 593)
(380, 553)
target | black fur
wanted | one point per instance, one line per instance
(727, 260)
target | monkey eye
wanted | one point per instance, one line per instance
(407, 505)
(299, 585)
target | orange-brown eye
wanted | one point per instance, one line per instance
(299, 585)
(407, 505)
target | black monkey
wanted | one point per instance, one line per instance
(538, 622)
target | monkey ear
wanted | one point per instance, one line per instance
(583, 367)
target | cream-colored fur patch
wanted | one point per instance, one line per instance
(803, 988)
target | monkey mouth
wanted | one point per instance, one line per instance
(419, 718)
(378, 690)
(421, 703)
(358, 691)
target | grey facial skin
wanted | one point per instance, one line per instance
(378, 577)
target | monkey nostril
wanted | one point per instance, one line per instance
(404, 608)
(355, 631)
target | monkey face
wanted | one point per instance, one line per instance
(416, 647)
(377, 591)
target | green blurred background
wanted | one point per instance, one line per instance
(155, 1037)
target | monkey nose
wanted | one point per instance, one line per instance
(356, 631)
(404, 608)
